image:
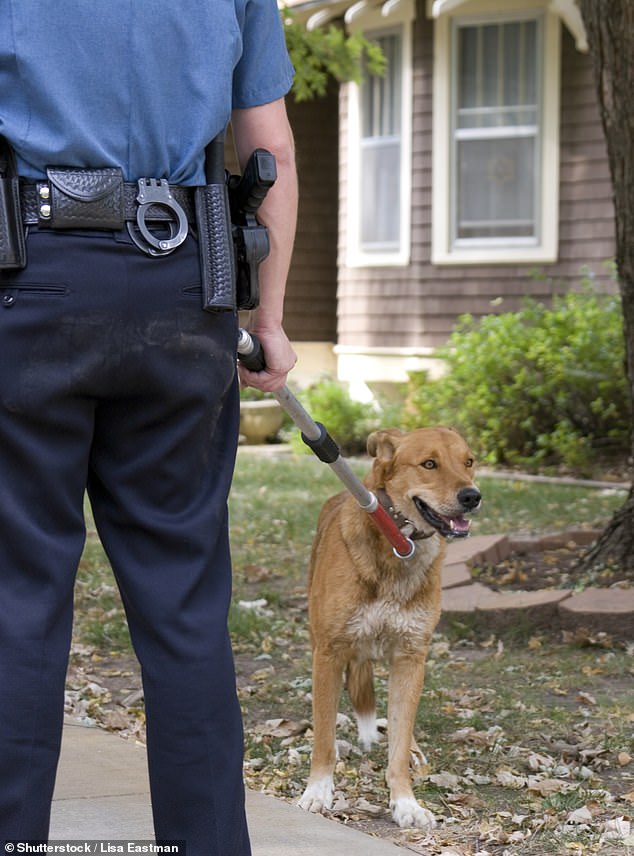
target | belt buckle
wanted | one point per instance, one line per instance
(154, 191)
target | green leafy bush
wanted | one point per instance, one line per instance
(541, 387)
(347, 421)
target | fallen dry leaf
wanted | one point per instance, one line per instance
(281, 728)
(618, 827)
(580, 815)
(507, 779)
(263, 674)
(537, 761)
(545, 787)
(116, 720)
(340, 803)
(469, 800)
(445, 780)
(366, 807)
(477, 738)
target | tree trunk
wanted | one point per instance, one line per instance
(610, 29)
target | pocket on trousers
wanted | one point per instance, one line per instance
(11, 293)
(194, 289)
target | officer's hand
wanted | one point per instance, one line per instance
(279, 359)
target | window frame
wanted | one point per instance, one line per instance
(504, 250)
(375, 24)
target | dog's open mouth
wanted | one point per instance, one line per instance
(448, 527)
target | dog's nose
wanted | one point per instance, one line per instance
(469, 498)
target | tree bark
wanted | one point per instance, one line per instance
(610, 30)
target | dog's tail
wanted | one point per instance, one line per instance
(360, 686)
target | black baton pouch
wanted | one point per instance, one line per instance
(217, 263)
(217, 260)
(12, 241)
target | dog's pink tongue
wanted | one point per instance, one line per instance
(459, 525)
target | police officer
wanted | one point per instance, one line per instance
(113, 378)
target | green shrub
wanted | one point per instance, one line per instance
(347, 421)
(541, 387)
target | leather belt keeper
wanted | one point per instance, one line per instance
(93, 199)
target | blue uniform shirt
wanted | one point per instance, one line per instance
(139, 84)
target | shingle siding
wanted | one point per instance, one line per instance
(311, 296)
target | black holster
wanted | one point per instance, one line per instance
(12, 240)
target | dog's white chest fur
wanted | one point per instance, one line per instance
(381, 626)
(394, 619)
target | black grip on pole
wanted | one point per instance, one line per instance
(254, 361)
(324, 446)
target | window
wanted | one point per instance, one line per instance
(496, 152)
(380, 145)
(495, 166)
(379, 152)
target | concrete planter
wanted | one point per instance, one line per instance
(260, 420)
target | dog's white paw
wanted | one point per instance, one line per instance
(318, 795)
(406, 812)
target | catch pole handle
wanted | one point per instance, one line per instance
(250, 351)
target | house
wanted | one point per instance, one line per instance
(473, 173)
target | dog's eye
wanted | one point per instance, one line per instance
(468, 462)
(429, 464)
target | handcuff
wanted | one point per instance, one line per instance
(154, 191)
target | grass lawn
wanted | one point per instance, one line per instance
(528, 744)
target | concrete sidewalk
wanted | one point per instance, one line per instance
(102, 793)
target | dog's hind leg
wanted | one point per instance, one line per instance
(327, 684)
(360, 686)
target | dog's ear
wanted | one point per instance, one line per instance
(382, 447)
(382, 444)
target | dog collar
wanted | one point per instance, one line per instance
(407, 527)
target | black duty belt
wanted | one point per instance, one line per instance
(36, 204)
(71, 198)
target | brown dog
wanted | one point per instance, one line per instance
(365, 603)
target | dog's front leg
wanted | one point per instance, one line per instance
(407, 674)
(327, 684)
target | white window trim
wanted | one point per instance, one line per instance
(546, 249)
(375, 21)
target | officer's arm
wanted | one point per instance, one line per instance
(267, 127)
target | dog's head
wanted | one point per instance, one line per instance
(428, 475)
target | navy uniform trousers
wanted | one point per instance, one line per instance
(113, 378)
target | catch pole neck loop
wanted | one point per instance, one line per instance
(405, 525)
